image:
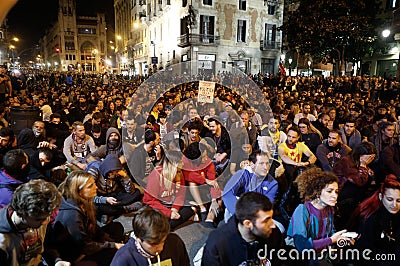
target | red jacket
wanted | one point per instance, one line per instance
(157, 196)
(199, 176)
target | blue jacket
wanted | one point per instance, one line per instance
(8, 185)
(244, 181)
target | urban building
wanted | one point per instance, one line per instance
(159, 33)
(385, 61)
(74, 42)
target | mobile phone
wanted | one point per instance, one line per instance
(350, 234)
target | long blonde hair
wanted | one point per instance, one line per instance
(170, 168)
(71, 187)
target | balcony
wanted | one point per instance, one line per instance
(189, 39)
(269, 45)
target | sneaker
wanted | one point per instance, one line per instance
(134, 207)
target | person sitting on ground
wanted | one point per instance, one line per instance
(166, 190)
(6, 142)
(312, 224)
(354, 178)
(77, 146)
(23, 225)
(331, 150)
(248, 231)
(151, 242)
(350, 135)
(80, 240)
(198, 169)
(116, 193)
(378, 220)
(14, 173)
(112, 146)
(258, 181)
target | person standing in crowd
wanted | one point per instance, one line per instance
(5, 84)
(312, 223)
(248, 231)
(77, 146)
(378, 220)
(151, 242)
(78, 238)
(23, 225)
(331, 150)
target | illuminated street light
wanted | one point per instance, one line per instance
(385, 33)
(309, 65)
(15, 39)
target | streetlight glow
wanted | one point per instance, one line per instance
(385, 33)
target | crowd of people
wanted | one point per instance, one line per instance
(309, 161)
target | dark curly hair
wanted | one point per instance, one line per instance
(36, 198)
(312, 181)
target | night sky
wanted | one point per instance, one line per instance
(29, 19)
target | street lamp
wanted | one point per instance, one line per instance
(290, 60)
(309, 65)
(385, 33)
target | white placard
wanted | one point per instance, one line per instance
(206, 91)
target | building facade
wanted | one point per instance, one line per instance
(74, 43)
(159, 33)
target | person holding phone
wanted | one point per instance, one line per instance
(312, 223)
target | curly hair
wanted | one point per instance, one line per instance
(312, 181)
(35, 199)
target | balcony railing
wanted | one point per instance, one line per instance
(269, 45)
(198, 39)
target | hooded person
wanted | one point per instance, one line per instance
(116, 193)
(26, 141)
(113, 146)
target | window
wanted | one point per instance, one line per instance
(69, 46)
(207, 2)
(241, 31)
(270, 35)
(73, 57)
(271, 8)
(267, 66)
(184, 3)
(242, 4)
(207, 28)
(86, 31)
(66, 57)
(1, 35)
